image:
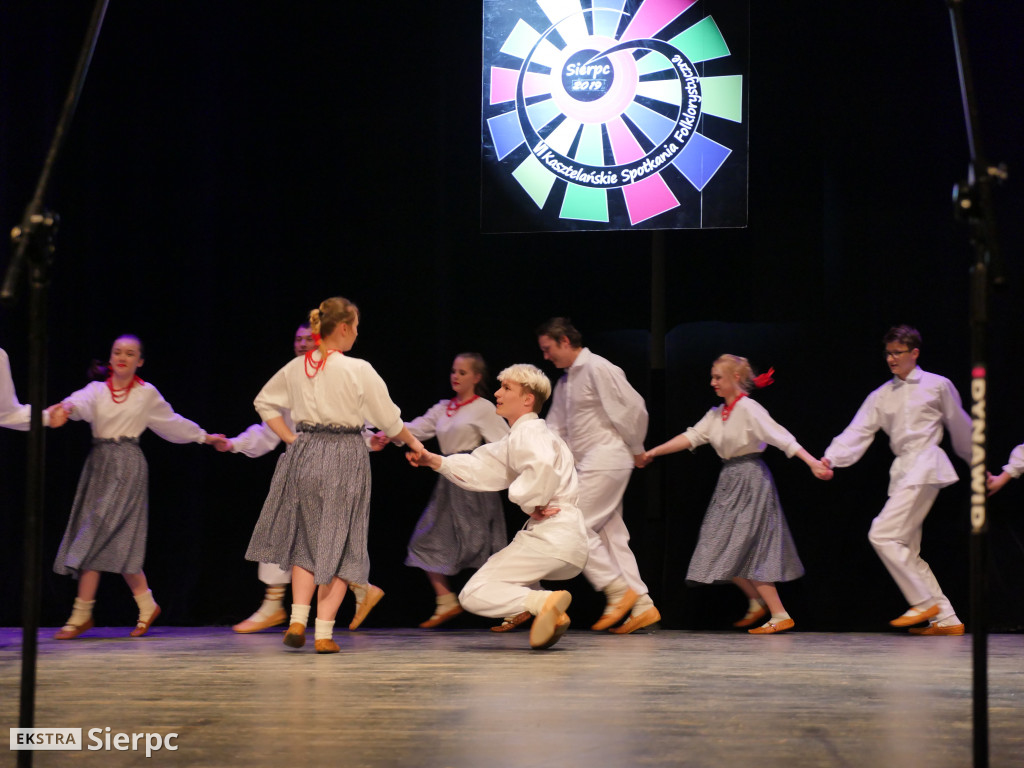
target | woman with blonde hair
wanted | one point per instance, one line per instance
(316, 515)
(744, 537)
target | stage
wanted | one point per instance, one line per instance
(473, 698)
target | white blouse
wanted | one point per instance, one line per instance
(143, 409)
(748, 429)
(471, 425)
(537, 468)
(912, 413)
(345, 392)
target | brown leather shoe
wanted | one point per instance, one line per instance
(71, 631)
(915, 616)
(648, 618)
(440, 618)
(935, 629)
(752, 618)
(614, 614)
(511, 622)
(142, 627)
(295, 635)
(543, 631)
(561, 626)
(258, 622)
(326, 646)
(772, 627)
(373, 596)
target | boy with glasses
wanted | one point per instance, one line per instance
(912, 409)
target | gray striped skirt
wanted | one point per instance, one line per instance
(317, 512)
(110, 515)
(744, 532)
(458, 529)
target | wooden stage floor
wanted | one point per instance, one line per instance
(476, 699)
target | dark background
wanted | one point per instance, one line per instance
(233, 163)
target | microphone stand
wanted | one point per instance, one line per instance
(973, 203)
(34, 250)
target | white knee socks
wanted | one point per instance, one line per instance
(146, 603)
(81, 612)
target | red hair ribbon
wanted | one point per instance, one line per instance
(316, 339)
(763, 380)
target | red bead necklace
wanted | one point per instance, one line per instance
(454, 405)
(120, 394)
(727, 409)
(316, 365)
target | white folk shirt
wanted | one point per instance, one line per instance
(143, 409)
(912, 413)
(1016, 466)
(471, 425)
(13, 414)
(537, 468)
(596, 411)
(345, 392)
(748, 430)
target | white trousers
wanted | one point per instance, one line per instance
(271, 574)
(896, 536)
(610, 557)
(507, 583)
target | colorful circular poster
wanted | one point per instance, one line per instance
(612, 114)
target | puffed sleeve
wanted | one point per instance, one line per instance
(257, 440)
(850, 445)
(769, 431)
(623, 405)
(485, 469)
(699, 433)
(13, 414)
(82, 403)
(170, 426)
(956, 420)
(1016, 465)
(537, 465)
(274, 399)
(381, 412)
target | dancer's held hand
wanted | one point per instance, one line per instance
(378, 440)
(221, 443)
(641, 460)
(995, 482)
(823, 469)
(423, 458)
(58, 416)
(541, 513)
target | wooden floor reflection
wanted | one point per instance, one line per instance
(472, 698)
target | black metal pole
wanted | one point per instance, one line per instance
(34, 251)
(973, 200)
(33, 567)
(979, 514)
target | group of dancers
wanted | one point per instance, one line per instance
(567, 473)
